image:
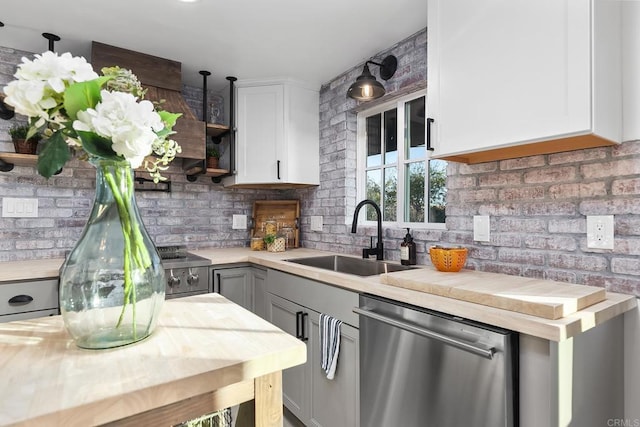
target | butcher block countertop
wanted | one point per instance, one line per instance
(205, 349)
(548, 328)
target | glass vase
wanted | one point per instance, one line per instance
(112, 284)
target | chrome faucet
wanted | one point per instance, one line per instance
(378, 251)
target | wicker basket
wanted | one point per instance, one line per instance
(23, 146)
(448, 259)
(279, 245)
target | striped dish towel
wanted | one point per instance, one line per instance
(329, 343)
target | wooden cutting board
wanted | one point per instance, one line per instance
(536, 297)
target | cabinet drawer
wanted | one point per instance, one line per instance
(28, 296)
(28, 315)
(319, 296)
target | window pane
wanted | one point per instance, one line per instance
(437, 190)
(390, 136)
(374, 140)
(374, 186)
(414, 199)
(414, 128)
(390, 194)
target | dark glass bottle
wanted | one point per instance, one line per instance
(408, 250)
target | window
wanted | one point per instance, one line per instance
(393, 164)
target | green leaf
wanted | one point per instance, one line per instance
(53, 155)
(83, 95)
(169, 119)
(97, 146)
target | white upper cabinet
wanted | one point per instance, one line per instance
(277, 138)
(511, 78)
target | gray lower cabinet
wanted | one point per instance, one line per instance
(244, 285)
(294, 305)
(28, 300)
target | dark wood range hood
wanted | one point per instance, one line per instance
(163, 80)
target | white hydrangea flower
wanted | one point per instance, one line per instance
(41, 82)
(129, 124)
(57, 71)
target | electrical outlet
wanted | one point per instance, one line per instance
(239, 222)
(481, 228)
(19, 208)
(316, 223)
(600, 231)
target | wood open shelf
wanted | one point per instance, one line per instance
(215, 172)
(199, 169)
(214, 129)
(19, 159)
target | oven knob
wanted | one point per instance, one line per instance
(193, 279)
(173, 281)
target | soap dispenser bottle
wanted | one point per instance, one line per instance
(408, 250)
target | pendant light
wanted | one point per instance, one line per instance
(366, 87)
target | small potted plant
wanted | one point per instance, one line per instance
(21, 144)
(213, 157)
(274, 243)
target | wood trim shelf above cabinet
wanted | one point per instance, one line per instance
(532, 149)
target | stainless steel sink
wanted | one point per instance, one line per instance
(349, 265)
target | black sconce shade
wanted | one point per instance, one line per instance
(366, 87)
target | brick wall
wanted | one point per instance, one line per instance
(537, 204)
(335, 198)
(195, 214)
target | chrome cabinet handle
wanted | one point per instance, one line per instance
(486, 352)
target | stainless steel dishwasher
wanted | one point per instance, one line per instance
(421, 368)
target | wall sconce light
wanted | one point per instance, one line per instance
(366, 87)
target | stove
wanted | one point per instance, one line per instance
(187, 274)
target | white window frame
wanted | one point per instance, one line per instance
(361, 168)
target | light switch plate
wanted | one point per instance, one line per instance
(481, 228)
(19, 208)
(600, 231)
(316, 223)
(239, 222)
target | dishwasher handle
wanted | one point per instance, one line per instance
(485, 352)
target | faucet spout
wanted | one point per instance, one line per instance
(378, 251)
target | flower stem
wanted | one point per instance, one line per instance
(135, 252)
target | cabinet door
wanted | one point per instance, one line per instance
(260, 124)
(295, 381)
(259, 277)
(335, 402)
(235, 285)
(504, 73)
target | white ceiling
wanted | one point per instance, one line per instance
(313, 41)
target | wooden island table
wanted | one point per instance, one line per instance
(206, 354)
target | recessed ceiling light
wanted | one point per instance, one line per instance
(188, 1)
